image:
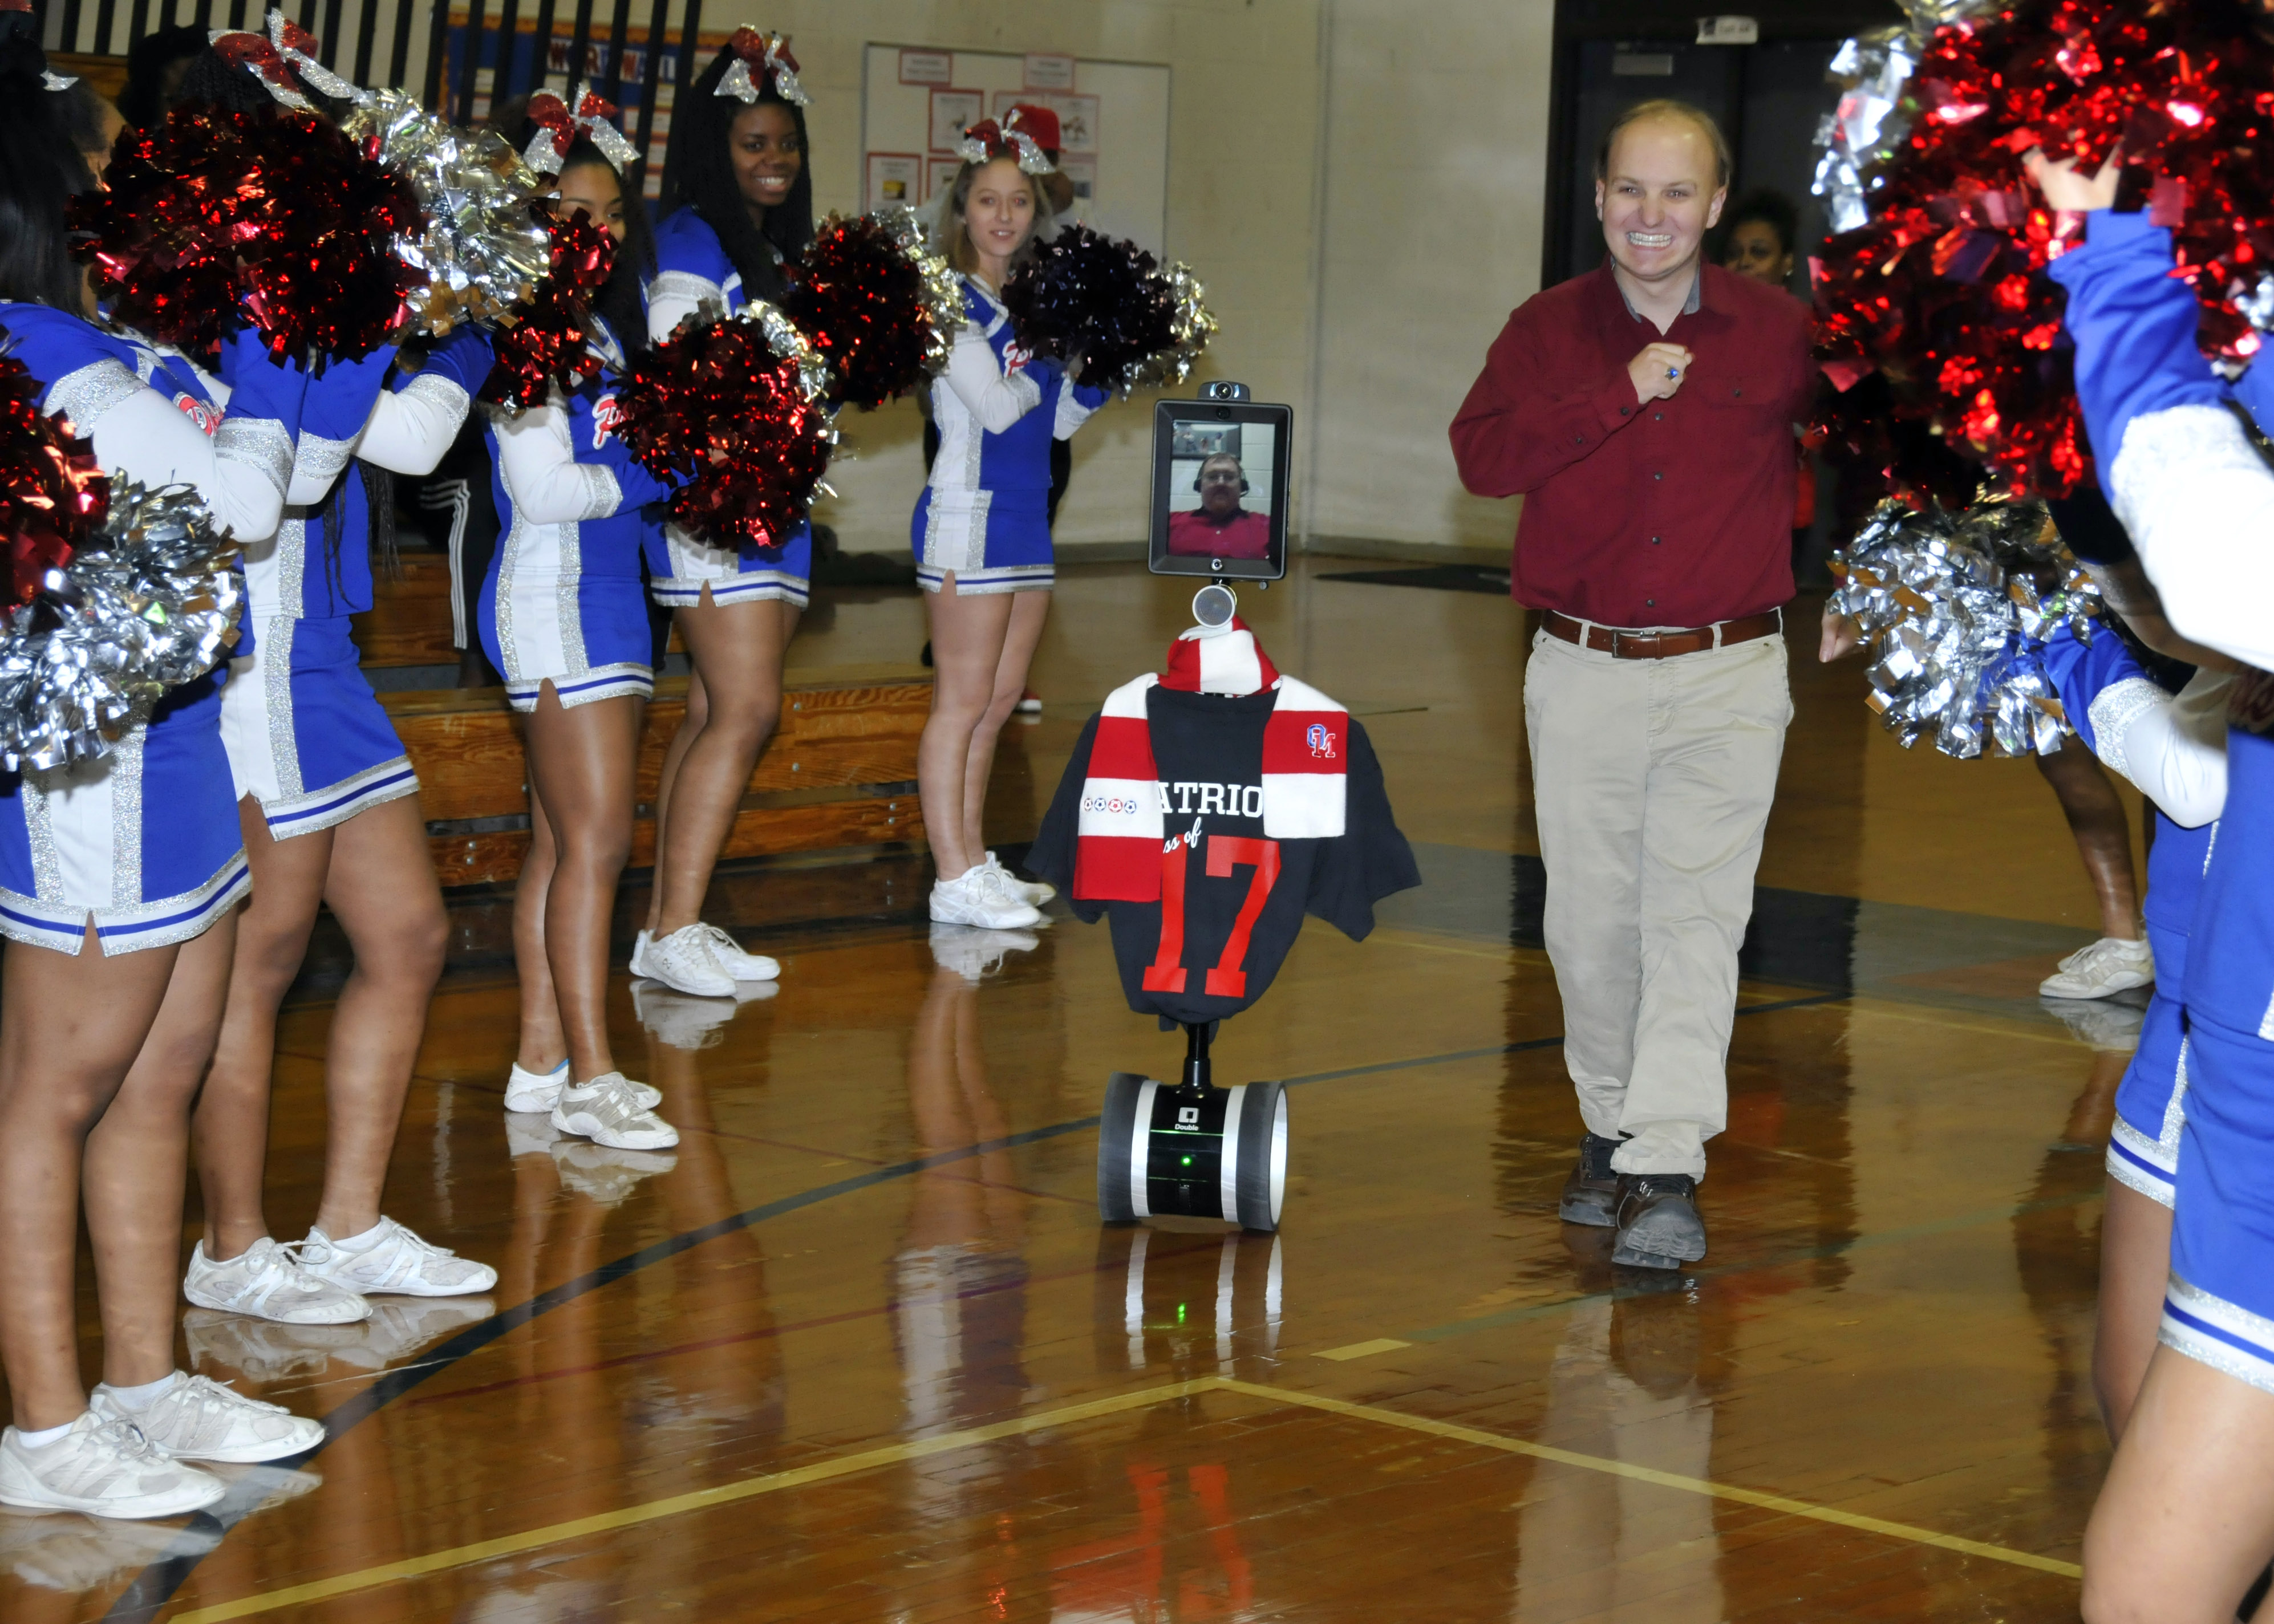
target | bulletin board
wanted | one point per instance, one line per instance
(1114, 116)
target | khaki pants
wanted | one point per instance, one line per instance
(1652, 781)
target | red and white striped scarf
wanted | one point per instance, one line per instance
(1124, 814)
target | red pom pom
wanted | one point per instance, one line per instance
(547, 341)
(737, 404)
(52, 495)
(213, 218)
(1945, 292)
(879, 306)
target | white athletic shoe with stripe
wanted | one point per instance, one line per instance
(606, 1111)
(270, 1281)
(106, 1467)
(540, 1091)
(397, 1263)
(1034, 893)
(981, 896)
(199, 1419)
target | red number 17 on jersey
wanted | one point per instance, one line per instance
(1227, 980)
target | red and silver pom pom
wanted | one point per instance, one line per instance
(1109, 307)
(544, 342)
(1941, 286)
(215, 218)
(738, 408)
(876, 304)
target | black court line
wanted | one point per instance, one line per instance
(155, 1585)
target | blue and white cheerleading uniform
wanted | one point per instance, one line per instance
(307, 738)
(562, 602)
(2174, 749)
(694, 276)
(144, 841)
(985, 513)
(2199, 504)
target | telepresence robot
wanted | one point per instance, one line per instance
(1192, 1149)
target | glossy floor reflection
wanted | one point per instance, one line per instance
(859, 1350)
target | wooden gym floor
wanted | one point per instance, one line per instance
(860, 1350)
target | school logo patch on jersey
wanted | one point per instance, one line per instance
(607, 417)
(1322, 740)
(203, 413)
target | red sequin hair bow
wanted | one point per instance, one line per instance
(559, 128)
(989, 139)
(767, 55)
(284, 60)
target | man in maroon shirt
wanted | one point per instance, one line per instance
(1645, 413)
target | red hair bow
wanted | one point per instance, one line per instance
(559, 128)
(769, 55)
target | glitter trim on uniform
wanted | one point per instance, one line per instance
(2214, 1331)
(87, 393)
(258, 443)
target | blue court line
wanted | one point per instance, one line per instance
(155, 1586)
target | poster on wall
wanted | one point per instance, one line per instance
(1048, 70)
(1081, 174)
(892, 180)
(953, 112)
(927, 67)
(939, 175)
(1077, 115)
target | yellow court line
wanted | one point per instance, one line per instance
(919, 1448)
(701, 1499)
(1645, 1474)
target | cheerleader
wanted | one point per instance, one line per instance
(980, 531)
(121, 877)
(330, 809)
(738, 206)
(562, 617)
(2184, 1522)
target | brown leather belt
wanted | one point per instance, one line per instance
(1662, 645)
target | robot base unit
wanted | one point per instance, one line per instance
(1192, 1150)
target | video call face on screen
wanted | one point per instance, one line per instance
(1220, 489)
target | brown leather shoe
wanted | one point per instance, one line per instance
(1591, 1195)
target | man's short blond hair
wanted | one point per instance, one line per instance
(1667, 107)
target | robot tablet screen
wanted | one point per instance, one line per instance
(1220, 488)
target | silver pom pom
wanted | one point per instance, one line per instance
(1956, 608)
(149, 603)
(483, 250)
(1194, 326)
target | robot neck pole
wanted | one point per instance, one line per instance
(1196, 1055)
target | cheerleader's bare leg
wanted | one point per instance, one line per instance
(70, 1030)
(377, 873)
(733, 706)
(138, 1163)
(2186, 1520)
(2136, 1260)
(1028, 612)
(580, 763)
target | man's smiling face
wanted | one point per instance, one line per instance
(1658, 198)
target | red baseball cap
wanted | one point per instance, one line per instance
(1040, 124)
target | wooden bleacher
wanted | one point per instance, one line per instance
(839, 774)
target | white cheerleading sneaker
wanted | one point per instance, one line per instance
(2110, 965)
(729, 955)
(396, 1263)
(106, 1467)
(682, 961)
(1034, 893)
(980, 895)
(607, 1112)
(971, 952)
(540, 1091)
(270, 1281)
(199, 1419)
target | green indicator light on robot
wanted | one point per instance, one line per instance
(1188, 1161)
(1180, 1313)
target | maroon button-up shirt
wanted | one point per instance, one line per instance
(1675, 512)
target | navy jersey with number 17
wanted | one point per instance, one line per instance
(1232, 899)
